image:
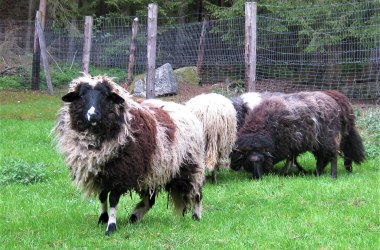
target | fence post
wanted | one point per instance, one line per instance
(87, 43)
(151, 50)
(36, 49)
(41, 40)
(250, 46)
(201, 49)
(132, 50)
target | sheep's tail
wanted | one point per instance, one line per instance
(352, 147)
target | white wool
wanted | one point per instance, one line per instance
(85, 164)
(188, 141)
(251, 99)
(218, 117)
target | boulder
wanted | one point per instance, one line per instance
(164, 83)
(188, 75)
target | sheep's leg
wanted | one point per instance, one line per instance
(299, 167)
(257, 170)
(197, 205)
(103, 218)
(287, 166)
(320, 166)
(147, 201)
(213, 176)
(114, 200)
(348, 164)
(334, 167)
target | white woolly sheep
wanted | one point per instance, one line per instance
(218, 117)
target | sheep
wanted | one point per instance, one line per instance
(114, 145)
(245, 103)
(291, 124)
(218, 117)
(351, 143)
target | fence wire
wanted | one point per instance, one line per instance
(316, 48)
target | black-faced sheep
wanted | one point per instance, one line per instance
(244, 104)
(113, 145)
(218, 117)
(289, 125)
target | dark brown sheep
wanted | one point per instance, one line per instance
(289, 125)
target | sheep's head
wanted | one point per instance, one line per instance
(252, 152)
(92, 102)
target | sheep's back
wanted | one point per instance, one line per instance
(296, 122)
(218, 117)
(184, 147)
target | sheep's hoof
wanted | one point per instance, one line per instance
(133, 219)
(348, 168)
(196, 217)
(111, 228)
(103, 218)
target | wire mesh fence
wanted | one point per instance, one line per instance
(318, 47)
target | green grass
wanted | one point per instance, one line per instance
(296, 212)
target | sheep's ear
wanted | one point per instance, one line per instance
(70, 97)
(116, 98)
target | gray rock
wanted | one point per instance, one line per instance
(164, 83)
(139, 88)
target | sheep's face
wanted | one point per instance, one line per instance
(251, 153)
(92, 104)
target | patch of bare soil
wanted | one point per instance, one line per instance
(187, 91)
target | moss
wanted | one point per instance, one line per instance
(187, 75)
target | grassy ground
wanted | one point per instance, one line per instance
(296, 212)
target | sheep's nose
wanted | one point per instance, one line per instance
(93, 115)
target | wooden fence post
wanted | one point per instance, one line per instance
(250, 46)
(87, 43)
(151, 50)
(41, 40)
(132, 50)
(36, 49)
(201, 49)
